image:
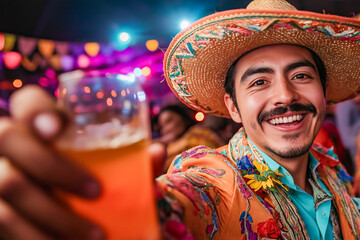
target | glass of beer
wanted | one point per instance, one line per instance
(109, 136)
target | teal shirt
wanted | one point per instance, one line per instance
(314, 210)
(315, 216)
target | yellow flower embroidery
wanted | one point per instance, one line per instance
(265, 179)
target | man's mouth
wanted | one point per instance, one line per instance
(298, 113)
(285, 120)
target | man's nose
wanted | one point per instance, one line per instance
(284, 92)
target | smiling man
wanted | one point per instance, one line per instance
(273, 70)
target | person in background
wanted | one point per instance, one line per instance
(329, 138)
(179, 132)
(348, 123)
(225, 128)
(357, 170)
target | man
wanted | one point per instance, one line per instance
(266, 183)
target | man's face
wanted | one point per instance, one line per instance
(280, 99)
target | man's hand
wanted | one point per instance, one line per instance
(30, 170)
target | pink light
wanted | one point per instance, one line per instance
(50, 73)
(12, 60)
(67, 62)
(2, 41)
(56, 93)
(44, 82)
(83, 61)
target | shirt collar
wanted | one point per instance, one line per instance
(274, 166)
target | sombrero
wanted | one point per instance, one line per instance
(197, 59)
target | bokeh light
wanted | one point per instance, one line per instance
(87, 89)
(83, 61)
(152, 45)
(100, 95)
(109, 102)
(46, 47)
(12, 60)
(184, 24)
(92, 48)
(44, 82)
(124, 37)
(199, 116)
(2, 41)
(9, 42)
(113, 93)
(146, 71)
(17, 83)
(50, 73)
(57, 91)
(137, 72)
(67, 62)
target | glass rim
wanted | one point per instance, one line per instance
(78, 74)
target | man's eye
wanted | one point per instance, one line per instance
(258, 83)
(301, 76)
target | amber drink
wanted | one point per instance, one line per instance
(112, 143)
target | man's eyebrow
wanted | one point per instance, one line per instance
(301, 63)
(255, 70)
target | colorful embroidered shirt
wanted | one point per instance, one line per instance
(314, 210)
(231, 193)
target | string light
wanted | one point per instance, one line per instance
(12, 60)
(184, 24)
(124, 37)
(46, 47)
(92, 48)
(83, 61)
(99, 95)
(87, 89)
(109, 102)
(17, 83)
(137, 72)
(113, 93)
(2, 41)
(152, 45)
(146, 71)
(199, 116)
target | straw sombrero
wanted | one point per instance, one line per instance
(198, 58)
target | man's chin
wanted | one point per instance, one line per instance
(291, 152)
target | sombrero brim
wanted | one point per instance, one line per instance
(198, 58)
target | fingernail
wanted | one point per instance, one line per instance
(91, 189)
(47, 125)
(96, 234)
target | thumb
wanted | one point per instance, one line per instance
(48, 125)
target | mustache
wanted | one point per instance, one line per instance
(295, 107)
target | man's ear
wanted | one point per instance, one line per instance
(234, 113)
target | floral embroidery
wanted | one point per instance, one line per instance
(246, 221)
(264, 179)
(268, 229)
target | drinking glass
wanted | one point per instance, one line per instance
(109, 136)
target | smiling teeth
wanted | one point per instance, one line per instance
(290, 119)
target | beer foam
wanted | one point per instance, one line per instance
(106, 135)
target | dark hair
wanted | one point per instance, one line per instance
(181, 111)
(229, 84)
